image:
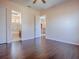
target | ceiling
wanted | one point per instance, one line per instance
(39, 6)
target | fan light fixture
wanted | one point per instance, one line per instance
(34, 1)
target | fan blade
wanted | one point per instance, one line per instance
(34, 1)
(43, 1)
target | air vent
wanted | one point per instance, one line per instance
(29, 6)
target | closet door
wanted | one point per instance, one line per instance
(2, 25)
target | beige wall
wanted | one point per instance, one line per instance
(63, 22)
(28, 15)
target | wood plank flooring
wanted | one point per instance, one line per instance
(40, 48)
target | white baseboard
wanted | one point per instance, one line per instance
(63, 41)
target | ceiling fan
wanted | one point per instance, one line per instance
(34, 1)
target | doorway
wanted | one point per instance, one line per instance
(43, 25)
(16, 26)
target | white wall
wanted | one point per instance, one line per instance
(28, 24)
(2, 24)
(63, 22)
(28, 15)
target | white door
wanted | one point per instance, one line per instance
(37, 26)
(2, 25)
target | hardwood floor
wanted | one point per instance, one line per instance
(40, 48)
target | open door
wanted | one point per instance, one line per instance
(43, 25)
(16, 25)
